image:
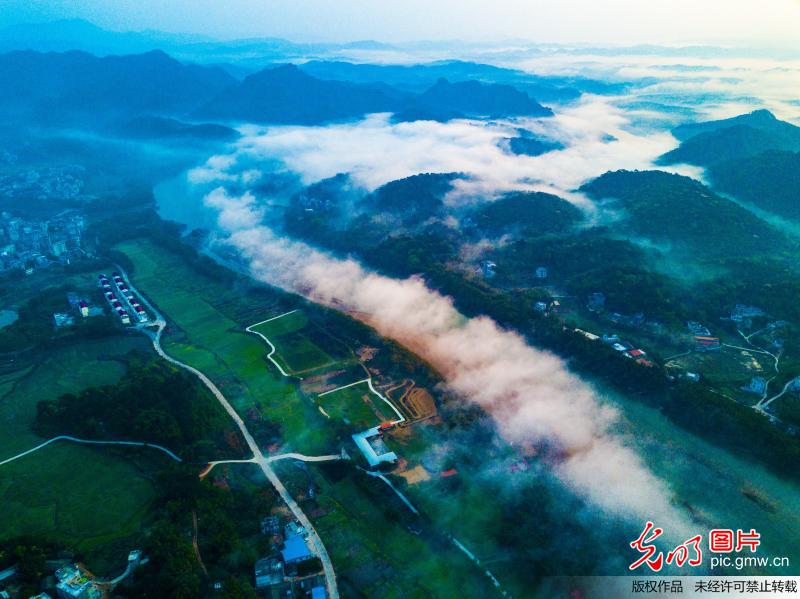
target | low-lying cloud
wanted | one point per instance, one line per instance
(529, 393)
(374, 151)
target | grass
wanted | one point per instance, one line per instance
(84, 497)
(356, 406)
(294, 349)
(202, 335)
(379, 555)
(373, 553)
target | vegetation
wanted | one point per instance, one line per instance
(770, 181)
(154, 402)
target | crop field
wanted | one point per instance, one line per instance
(378, 554)
(299, 344)
(372, 551)
(78, 495)
(357, 407)
(209, 339)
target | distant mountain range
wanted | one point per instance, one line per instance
(475, 99)
(75, 88)
(743, 136)
(417, 78)
(69, 88)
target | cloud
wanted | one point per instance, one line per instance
(375, 151)
(530, 393)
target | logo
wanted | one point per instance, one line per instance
(690, 552)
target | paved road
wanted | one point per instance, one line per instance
(90, 442)
(272, 348)
(258, 457)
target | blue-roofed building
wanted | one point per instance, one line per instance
(295, 550)
(318, 593)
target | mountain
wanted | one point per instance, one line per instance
(152, 127)
(287, 95)
(413, 199)
(531, 213)
(71, 87)
(475, 99)
(676, 210)
(758, 119)
(770, 181)
(417, 78)
(747, 135)
(527, 144)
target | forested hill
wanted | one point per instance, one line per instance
(677, 210)
(770, 181)
(747, 135)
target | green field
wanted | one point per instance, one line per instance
(85, 497)
(374, 552)
(295, 349)
(356, 406)
(200, 333)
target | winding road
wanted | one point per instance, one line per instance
(258, 457)
(90, 442)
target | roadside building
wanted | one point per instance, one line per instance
(372, 448)
(268, 572)
(76, 584)
(83, 307)
(270, 526)
(757, 385)
(706, 343)
(295, 550)
(63, 320)
(318, 593)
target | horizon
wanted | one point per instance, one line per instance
(718, 23)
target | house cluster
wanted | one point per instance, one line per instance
(292, 570)
(702, 337)
(31, 244)
(72, 581)
(743, 314)
(122, 300)
(628, 350)
(57, 183)
(78, 307)
(76, 583)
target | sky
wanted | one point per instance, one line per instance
(727, 22)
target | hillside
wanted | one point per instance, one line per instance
(676, 210)
(712, 142)
(531, 213)
(413, 199)
(758, 119)
(152, 127)
(476, 99)
(770, 181)
(287, 95)
(419, 77)
(527, 144)
(57, 88)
